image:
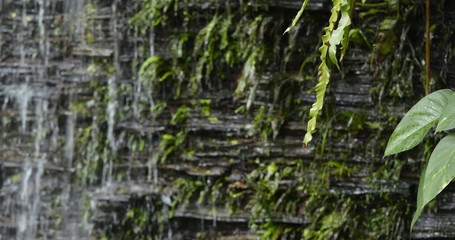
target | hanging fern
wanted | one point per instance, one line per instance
(335, 38)
(297, 17)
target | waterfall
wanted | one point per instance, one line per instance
(30, 95)
(112, 105)
(152, 163)
(74, 10)
(109, 152)
(51, 181)
(137, 84)
(69, 228)
(153, 160)
(22, 95)
(42, 33)
(21, 35)
(33, 167)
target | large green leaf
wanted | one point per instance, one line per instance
(417, 121)
(419, 198)
(447, 119)
(439, 172)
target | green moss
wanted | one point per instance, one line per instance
(180, 116)
(233, 51)
(144, 219)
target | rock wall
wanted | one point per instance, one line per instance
(185, 119)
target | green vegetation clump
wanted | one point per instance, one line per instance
(233, 59)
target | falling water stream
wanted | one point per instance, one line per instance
(111, 109)
(109, 152)
(44, 203)
(30, 187)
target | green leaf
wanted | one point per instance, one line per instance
(417, 121)
(149, 63)
(323, 74)
(447, 119)
(346, 9)
(331, 41)
(297, 17)
(167, 137)
(419, 198)
(271, 169)
(340, 33)
(357, 36)
(321, 88)
(439, 172)
(334, 16)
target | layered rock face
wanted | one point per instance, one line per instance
(185, 119)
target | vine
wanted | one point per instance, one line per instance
(335, 38)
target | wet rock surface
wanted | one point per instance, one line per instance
(70, 168)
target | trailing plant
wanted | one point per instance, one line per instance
(436, 109)
(333, 48)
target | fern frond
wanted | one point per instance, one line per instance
(331, 41)
(297, 17)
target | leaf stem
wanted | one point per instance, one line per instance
(427, 47)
